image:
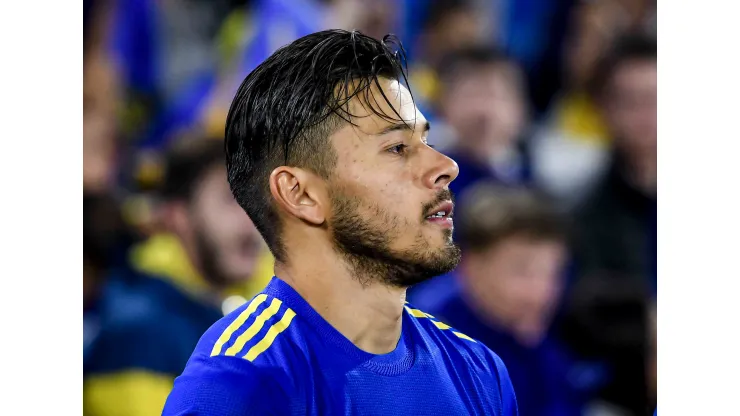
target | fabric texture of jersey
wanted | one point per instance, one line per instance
(277, 356)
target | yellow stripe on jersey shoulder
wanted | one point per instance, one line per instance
(441, 325)
(237, 323)
(253, 329)
(253, 332)
(272, 333)
(463, 336)
(416, 312)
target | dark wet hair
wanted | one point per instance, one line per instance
(286, 109)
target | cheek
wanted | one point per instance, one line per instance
(381, 183)
(218, 224)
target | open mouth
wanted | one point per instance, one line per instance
(441, 214)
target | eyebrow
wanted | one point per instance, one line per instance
(403, 126)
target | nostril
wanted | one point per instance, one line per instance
(443, 179)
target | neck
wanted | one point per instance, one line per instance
(369, 315)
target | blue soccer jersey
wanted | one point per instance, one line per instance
(277, 356)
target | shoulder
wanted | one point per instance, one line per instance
(455, 343)
(226, 385)
(257, 332)
(244, 363)
(468, 354)
(442, 334)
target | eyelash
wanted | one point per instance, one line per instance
(401, 146)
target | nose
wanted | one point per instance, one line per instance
(442, 171)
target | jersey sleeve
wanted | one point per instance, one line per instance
(221, 385)
(506, 389)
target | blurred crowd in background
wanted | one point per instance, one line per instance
(548, 107)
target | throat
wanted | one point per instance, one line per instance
(369, 315)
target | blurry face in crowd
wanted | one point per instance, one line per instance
(459, 29)
(486, 108)
(225, 240)
(372, 17)
(517, 283)
(386, 184)
(630, 106)
(594, 26)
(99, 151)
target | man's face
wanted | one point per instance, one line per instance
(521, 280)
(386, 184)
(486, 109)
(227, 242)
(631, 106)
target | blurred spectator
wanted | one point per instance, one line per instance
(375, 18)
(170, 62)
(533, 33)
(105, 236)
(616, 227)
(101, 95)
(449, 26)
(605, 320)
(617, 222)
(506, 291)
(571, 149)
(176, 285)
(484, 103)
(652, 365)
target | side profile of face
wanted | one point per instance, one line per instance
(226, 241)
(486, 109)
(386, 190)
(519, 281)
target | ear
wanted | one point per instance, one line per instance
(300, 193)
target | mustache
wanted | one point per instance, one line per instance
(443, 195)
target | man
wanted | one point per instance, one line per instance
(506, 290)
(151, 313)
(615, 243)
(327, 153)
(483, 100)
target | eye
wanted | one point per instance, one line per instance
(398, 149)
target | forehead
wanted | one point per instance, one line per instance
(386, 103)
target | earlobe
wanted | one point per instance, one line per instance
(294, 191)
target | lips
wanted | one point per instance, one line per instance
(441, 211)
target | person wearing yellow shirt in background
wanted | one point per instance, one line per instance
(206, 262)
